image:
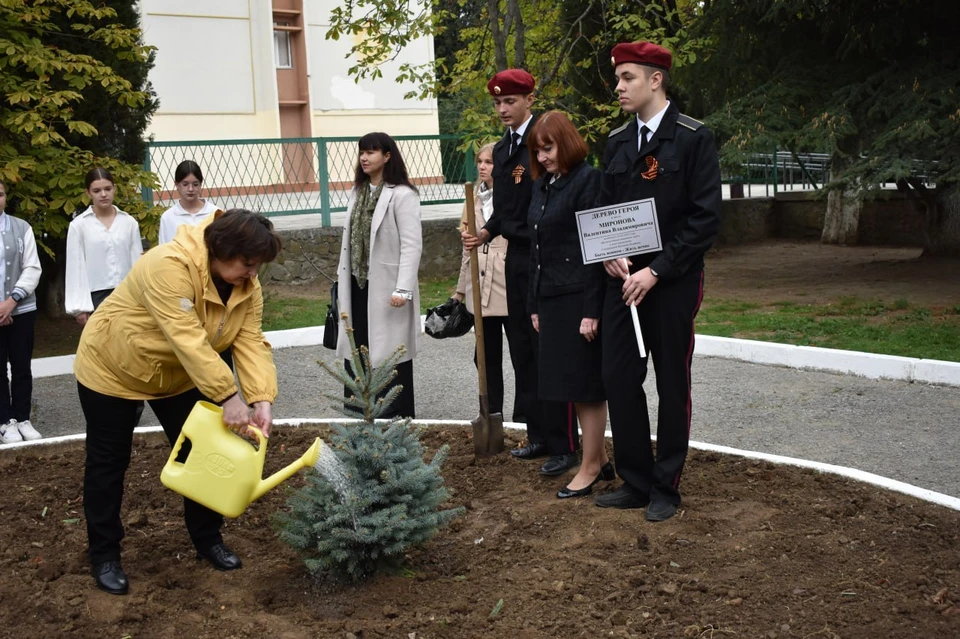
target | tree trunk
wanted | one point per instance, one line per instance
(498, 34)
(842, 220)
(943, 223)
(519, 42)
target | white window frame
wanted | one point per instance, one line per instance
(281, 43)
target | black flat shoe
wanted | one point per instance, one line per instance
(607, 473)
(111, 578)
(660, 510)
(221, 557)
(623, 497)
(559, 464)
(530, 451)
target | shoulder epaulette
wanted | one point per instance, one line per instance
(690, 123)
(619, 129)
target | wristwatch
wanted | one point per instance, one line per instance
(17, 296)
(653, 272)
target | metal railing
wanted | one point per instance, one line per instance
(781, 171)
(290, 176)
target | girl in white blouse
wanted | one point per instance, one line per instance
(103, 242)
(190, 208)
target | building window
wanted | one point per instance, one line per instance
(281, 47)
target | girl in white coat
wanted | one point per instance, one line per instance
(103, 242)
(379, 260)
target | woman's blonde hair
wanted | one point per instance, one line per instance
(485, 149)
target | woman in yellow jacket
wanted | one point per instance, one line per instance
(158, 338)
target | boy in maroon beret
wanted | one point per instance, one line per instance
(670, 157)
(551, 426)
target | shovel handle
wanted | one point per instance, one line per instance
(475, 280)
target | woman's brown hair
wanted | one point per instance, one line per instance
(554, 127)
(242, 233)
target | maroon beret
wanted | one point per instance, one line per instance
(511, 82)
(647, 53)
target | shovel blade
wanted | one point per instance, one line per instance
(487, 431)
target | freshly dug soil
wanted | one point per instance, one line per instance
(757, 551)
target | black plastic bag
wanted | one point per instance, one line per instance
(331, 327)
(450, 319)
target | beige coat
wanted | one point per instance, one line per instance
(492, 260)
(396, 242)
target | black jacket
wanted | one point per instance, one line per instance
(556, 262)
(686, 188)
(511, 198)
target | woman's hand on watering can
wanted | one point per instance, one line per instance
(236, 415)
(263, 417)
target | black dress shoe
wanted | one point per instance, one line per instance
(623, 497)
(110, 577)
(559, 464)
(661, 510)
(530, 451)
(606, 474)
(221, 557)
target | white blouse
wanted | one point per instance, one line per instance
(98, 258)
(174, 217)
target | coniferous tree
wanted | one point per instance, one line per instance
(380, 498)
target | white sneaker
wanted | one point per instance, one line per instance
(9, 433)
(28, 432)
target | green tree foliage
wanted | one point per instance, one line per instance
(875, 83)
(565, 45)
(382, 500)
(43, 155)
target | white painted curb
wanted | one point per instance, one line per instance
(829, 360)
(843, 471)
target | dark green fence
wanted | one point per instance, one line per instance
(292, 176)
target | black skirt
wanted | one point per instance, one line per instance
(569, 364)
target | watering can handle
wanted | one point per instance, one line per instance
(261, 439)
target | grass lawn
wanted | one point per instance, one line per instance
(848, 323)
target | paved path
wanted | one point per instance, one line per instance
(908, 432)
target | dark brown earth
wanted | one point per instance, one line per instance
(757, 551)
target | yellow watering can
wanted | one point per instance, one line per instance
(224, 471)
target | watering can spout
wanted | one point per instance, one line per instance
(307, 460)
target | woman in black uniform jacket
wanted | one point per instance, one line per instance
(565, 297)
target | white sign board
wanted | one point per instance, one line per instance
(610, 232)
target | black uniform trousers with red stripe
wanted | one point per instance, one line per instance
(666, 315)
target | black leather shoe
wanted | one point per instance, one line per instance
(623, 497)
(110, 577)
(559, 464)
(221, 557)
(530, 451)
(660, 510)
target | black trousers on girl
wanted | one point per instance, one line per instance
(16, 347)
(404, 406)
(493, 354)
(110, 424)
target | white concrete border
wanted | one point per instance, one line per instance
(830, 360)
(843, 471)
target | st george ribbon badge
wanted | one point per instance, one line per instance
(518, 173)
(652, 168)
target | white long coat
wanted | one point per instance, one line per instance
(396, 241)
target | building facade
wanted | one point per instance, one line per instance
(242, 69)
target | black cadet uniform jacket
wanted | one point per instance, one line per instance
(512, 186)
(556, 262)
(685, 184)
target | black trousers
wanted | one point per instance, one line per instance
(110, 424)
(404, 405)
(666, 319)
(493, 354)
(550, 423)
(16, 348)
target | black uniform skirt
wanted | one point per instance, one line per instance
(569, 364)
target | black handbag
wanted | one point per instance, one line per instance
(331, 327)
(450, 319)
